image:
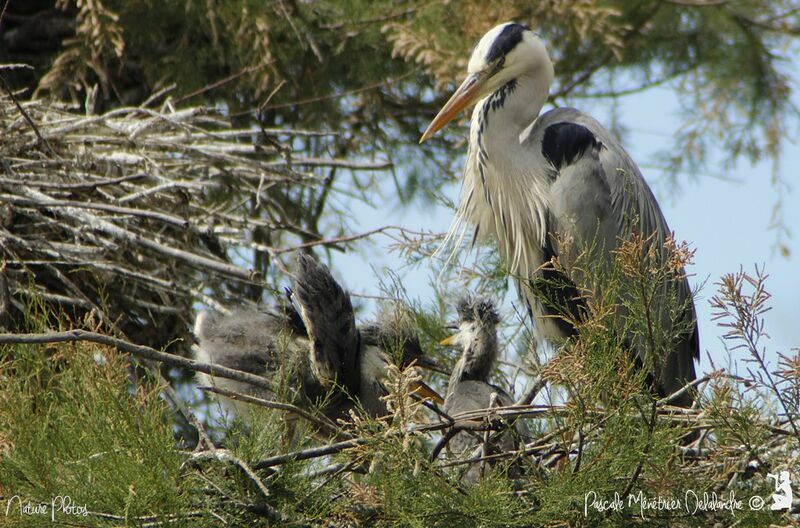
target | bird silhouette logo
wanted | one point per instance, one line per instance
(782, 498)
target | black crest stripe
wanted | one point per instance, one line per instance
(505, 42)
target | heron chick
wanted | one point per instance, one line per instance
(324, 355)
(560, 186)
(260, 342)
(343, 356)
(469, 388)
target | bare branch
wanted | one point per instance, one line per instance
(321, 422)
(141, 351)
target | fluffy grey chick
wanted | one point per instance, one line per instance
(258, 342)
(469, 388)
(320, 351)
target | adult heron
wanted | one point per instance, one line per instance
(558, 185)
(469, 388)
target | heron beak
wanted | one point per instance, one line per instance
(467, 93)
(423, 390)
(449, 341)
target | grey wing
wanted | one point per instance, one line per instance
(474, 395)
(636, 210)
(598, 194)
(245, 339)
(599, 197)
(329, 319)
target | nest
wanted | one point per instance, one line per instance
(136, 214)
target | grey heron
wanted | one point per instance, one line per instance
(320, 348)
(557, 185)
(469, 388)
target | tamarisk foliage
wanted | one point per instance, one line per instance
(156, 156)
(610, 438)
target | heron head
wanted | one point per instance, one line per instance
(477, 338)
(394, 338)
(476, 316)
(379, 341)
(505, 53)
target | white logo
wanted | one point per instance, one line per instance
(782, 498)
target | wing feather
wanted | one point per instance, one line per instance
(600, 197)
(330, 321)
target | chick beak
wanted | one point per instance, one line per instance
(449, 341)
(467, 93)
(425, 391)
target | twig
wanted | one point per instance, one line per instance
(337, 240)
(223, 82)
(333, 162)
(443, 441)
(138, 350)
(650, 427)
(335, 469)
(148, 518)
(347, 93)
(78, 186)
(49, 203)
(694, 383)
(531, 393)
(123, 234)
(314, 452)
(435, 408)
(322, 423)
(485, 447)
(579, 456)
(27, 117)
(223, 455)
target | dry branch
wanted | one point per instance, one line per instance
(319, 421)
(139, 212)
(143, 352)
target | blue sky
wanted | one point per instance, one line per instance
(726, 221)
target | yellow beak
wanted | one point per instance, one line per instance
(425, 391)
(449, 341)
(466, 94)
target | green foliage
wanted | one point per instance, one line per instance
(414, 494)
(76, 427)
(369, 75)
(73, 422)
(342, 61)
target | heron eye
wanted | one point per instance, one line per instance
(498, 65)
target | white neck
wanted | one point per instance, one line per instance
(477, 360)
(503, 195)
(505, 120)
